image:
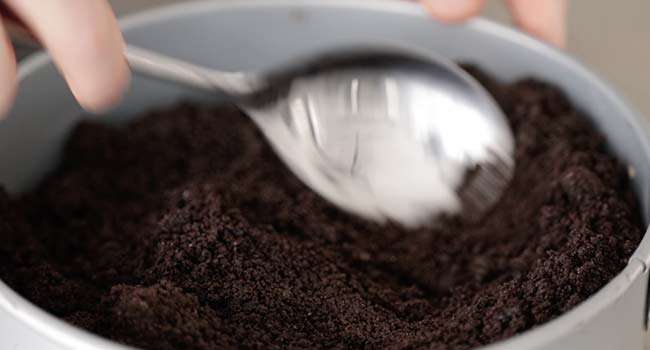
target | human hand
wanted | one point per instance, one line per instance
(542, 18)
(83, 38)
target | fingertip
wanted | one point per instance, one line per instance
(102, 75)
(554, 35)
(453, 10)
(104, 91)
(545, 19)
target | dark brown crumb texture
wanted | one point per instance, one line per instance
(183, 231)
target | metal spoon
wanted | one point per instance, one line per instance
(388, 134)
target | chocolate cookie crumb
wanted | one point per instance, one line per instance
(183, 231)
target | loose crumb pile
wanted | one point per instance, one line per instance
(184, 231)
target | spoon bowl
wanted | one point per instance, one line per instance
(385, 133)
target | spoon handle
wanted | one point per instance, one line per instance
(155, 65)
(160, 66)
